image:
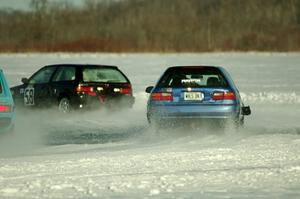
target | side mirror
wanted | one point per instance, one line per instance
(149, 89)
(246, 110)
(25, 80)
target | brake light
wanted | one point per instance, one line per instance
(5, 108)
(126, 90)
(161, 96)
(223, 96)
(86, 89)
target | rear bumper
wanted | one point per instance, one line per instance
(86, 101)
(193, 112)
(7, 122)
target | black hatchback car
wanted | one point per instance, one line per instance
(74, 86)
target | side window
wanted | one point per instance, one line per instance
(43, 76)
(65, 74)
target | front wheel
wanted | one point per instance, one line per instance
(64, 105)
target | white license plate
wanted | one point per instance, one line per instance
(193, 96)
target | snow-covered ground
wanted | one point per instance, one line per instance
(102, 155)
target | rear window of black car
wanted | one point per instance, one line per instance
(97, 74)
(193, 77)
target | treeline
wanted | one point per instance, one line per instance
(153, 26)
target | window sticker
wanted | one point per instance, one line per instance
(191, 81)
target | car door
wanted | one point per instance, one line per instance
(37, 91)
(63, 82)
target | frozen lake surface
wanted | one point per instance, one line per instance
(116, 155)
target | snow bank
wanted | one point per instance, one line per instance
(271, 98)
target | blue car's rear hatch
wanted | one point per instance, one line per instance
(193, 92)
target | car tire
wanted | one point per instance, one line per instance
(64, 105)
(239, 124)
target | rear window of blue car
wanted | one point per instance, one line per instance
(193, 77)
(97, 74)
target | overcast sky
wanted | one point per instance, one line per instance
(24, 4)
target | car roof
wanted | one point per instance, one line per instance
(81, 65)
(195, 66)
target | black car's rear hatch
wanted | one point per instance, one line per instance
(104, 81)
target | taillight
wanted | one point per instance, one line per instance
(161, 96)
(223, 96)
(126, 90)
(5, 108)
(86, 89)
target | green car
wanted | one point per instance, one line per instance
(7, 106)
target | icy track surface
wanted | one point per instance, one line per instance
(116, 155)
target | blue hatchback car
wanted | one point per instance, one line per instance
(7, 106)
(197, 94)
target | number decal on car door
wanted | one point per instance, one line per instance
(29, 96)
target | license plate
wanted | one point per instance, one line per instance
(189, 96)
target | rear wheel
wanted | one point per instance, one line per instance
(155, 125)
(64, 105)
(239, 123)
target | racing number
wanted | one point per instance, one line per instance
(29, 96)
